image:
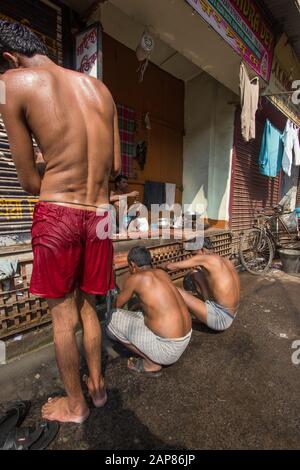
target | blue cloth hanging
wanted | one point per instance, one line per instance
(271, 152)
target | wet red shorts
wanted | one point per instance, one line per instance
(68, 254)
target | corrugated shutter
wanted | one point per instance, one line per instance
(298, 202)
(251, 191)
(43, 17)
(16, 206)
(298, 194)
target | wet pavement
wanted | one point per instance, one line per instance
(232, 390)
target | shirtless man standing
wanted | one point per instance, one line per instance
(74, 121)
(216, 282)
(162, 330)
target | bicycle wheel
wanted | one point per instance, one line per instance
(256, 252)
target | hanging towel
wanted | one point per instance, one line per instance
(170, 194)
(291, 144)
(155, 193)
(249, 90)
(271, 152)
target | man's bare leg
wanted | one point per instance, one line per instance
(72, 408)
(196, 306)
(92, 346)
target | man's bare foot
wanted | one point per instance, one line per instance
(99, 397)
(142, 365)
(58, 409)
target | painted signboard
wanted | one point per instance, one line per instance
(89, 51)
(16, 209)
(285, 78)
(242, 25)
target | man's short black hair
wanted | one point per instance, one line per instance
(119, 178)
(140, 256)
(15, 37)
(208, 244)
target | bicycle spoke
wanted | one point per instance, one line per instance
(256, 251)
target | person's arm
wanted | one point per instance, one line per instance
(118, 197)
(195, 261)
(113, 197)
(133, 194)
(21, 146)
(117, 146)
(127, 291)
(40, 163)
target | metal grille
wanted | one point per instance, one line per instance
(20, 310)
(222, 243)
(168, 254)
(176, 252)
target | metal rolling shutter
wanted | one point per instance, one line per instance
(298, 194)
(43, 17)
(16, 206)
(251, 191)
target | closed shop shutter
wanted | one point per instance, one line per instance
(16, 207)
(43, 17)
(298, 194)
(251, 191)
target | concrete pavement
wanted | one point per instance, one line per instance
(232, 390)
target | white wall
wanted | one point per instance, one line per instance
(209, 125)
(289, 186)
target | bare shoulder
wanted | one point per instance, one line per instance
(102, 89)
(161, 274)
(213, 262)
(132, 279)
(145, 278)
(135, 283)
(28, 77)
(19, 82)
(228, 263)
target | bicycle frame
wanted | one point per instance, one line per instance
(274, 234)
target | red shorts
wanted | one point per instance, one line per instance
(68, 253)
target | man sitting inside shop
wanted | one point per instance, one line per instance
(217, 285)
(119, 197)
(161, 331)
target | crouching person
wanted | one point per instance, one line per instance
(161, 331)
(215, 282)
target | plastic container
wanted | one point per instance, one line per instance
(290, 260)
(297, 210)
